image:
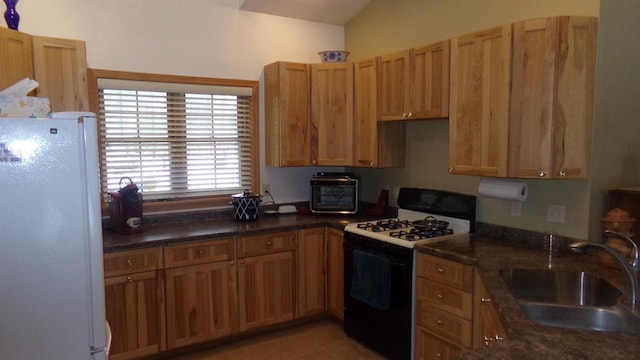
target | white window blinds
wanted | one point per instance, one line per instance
(176, 141)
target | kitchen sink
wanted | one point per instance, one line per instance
(615, 319)
(560, 287)
(576, 300)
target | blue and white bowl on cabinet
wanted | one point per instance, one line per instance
(333, 56)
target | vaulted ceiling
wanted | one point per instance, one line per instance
(336, 12)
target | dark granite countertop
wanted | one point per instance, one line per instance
(528, 340)
(158, 235)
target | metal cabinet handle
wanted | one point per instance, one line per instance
(269, 244)
(485, 300)
(129, 263)
(542, 173)
(129, 279)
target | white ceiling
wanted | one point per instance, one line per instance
(336, 12)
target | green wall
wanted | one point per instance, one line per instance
(386, 26)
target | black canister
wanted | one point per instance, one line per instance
(126, 208)
(245, 206)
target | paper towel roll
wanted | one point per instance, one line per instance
(503, 189)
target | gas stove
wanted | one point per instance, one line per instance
(418, 209)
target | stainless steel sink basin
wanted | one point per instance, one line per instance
(616, 318)
(560, 287)
(576, 300)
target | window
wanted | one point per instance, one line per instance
(187, 142)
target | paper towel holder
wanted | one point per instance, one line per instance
(503, 189)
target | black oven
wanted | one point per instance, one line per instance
(383, 324)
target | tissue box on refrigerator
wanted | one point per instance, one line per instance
(15, 106)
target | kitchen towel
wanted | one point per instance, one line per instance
(503, 189)
(371, 282)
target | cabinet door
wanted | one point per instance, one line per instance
(377, 144)
(552, 97)
(487, 326)
(15, 57)
(201, 303)
(60, 67)
(431, 347)
(287, 114)
(430, 81)
(479, 102)
(135, 312)
(332, 114)
(311, 271)
(335, 273)
(266, 289)
(393, 86)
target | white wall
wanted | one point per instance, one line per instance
(188, 37)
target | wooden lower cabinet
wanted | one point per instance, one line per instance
(201, 303)
(487, 325)
(266, 289)
(430, 346)
(311, 271)
(454, 312)
(178, 295)
(335, 273)
(135, 303)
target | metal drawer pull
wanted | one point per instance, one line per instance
(129, 279)
(439, 322)
(129, 263)
(485, 300)
(269, 244)
(441, 270)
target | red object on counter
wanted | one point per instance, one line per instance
(381, 208)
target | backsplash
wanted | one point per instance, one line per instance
(519, 237)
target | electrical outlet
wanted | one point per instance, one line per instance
(266, 188)
(556, 213)
(516, 208)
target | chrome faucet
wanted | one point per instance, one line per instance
(631, 267)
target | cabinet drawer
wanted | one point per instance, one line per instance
(199, 253)
(451, 273)
(133, 261)
(445, 298)
(444, 324)
(267, 243)
(432, 347)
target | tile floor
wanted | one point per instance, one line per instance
(321, 339)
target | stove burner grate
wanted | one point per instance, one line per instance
(384, 225)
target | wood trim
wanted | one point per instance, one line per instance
(187, 204)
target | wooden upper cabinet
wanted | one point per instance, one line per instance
(479, 102)
(414, 84)
(287, 114)
(393, 85)
(15, 57)
(430, 81)
(377, 144)
(60, 67)
(332, 114)
(552, 97)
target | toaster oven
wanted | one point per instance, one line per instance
(334, 193)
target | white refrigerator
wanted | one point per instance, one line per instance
(51, 270)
